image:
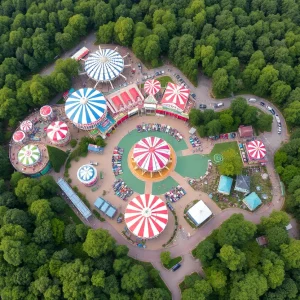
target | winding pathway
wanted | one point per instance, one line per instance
(272, 140)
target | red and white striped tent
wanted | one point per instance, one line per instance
(256, 150)
(175, 97)
(19, 136)
(58, 132)
(46, 112)
(26, 126)
(152, 86)
(151, 154)
(146, 216)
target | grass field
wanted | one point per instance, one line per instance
(57, 157)
(164, 80)
(192, 166)
(161, 187)
(220, 148)
(173, 262)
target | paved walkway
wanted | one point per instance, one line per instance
(273, 142)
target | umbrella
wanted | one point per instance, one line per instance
(151, 154)
(146, 216)
(152, 86)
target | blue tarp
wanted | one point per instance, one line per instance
(106, 124)
(99, 202)
(252, 201)
(111, 212)
(225, 185)
(95, 148)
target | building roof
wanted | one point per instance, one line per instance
(262, 240)
(256, 150)
(245, 131)
(242, 182)
(199, 213)
(95, 148)
(57, 131)
(82, 208)
(99, 202)
(225, 185)
(87, 174)
(252, 201)
(152, 86)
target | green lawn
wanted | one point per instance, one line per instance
(164, 80)
(161, 187)
(192, 166)
(57, 157)
(220, 148)
(173, 262)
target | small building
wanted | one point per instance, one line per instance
(262, 240)
(225, 185)
(95, 148)
(105, 207)
(242, 184)
(199, 213)
(245, 131)
(252, 201)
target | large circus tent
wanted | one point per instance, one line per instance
(87, 174)
(146, 216)
(152, 86)
(29, 155)
(104, 65)
(256, 150)
(175, 97)
(58, 133)
(86, 108)
(151, 154)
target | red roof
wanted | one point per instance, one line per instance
(245, 131)
(125, 97)
(256, 150)
(134, 93)
(175, 97)
(117, 101)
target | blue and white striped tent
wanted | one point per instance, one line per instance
(87, 174)
(104, 65)
(86, 108)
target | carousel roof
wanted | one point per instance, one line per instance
(146, 216)
(57, 131)
(256, 149)
(85, 106)
(29, 155)
(151, 153)
(104, 65)
(175, 96)
(26, 125)
(19, 136)
(152, 86)
(46, 110)
(86, 174)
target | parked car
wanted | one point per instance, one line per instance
(170, 206)
(202, 106)
(140, 66)
(271, 110)
(218, 105)
(277, 119)
(156, 73)
(176, 267)
(262, 103)
(252, 100)
(193, 95)
(120, 220)
(162, 72)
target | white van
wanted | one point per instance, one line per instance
(252, 100)
(218, 105)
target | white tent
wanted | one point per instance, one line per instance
(199, 213)
(192, 130)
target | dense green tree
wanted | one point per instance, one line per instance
(157, 293)
(205, 251)
(105, 34)
(230, 165)
(220, 82)
(233, 258)
(98, 242)
(124, 29)
(165, 257)
(238, 106)
(135, 279)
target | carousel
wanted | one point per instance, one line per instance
(146, 216)
(152, 87)
(151, 157)
(86, 108)
(256, 151)
(87, 174)
(27, 126)
(46, 112)
(58, 133)
(19, 136)
(29, 155)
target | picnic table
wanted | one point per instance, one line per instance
(101, 175)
